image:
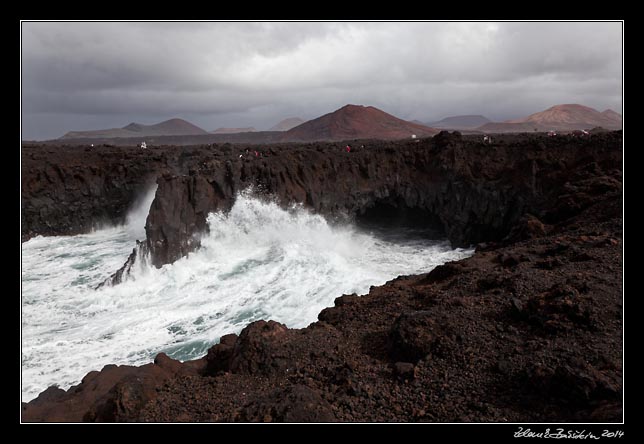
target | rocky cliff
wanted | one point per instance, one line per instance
(70, 190)
(469, 191)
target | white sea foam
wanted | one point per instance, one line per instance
(257, 262)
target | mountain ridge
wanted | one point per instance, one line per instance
(564, 117)
(170, 127)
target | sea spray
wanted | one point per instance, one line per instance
(138, 214)
(258, 261)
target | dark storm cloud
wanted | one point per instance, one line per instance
(255, 74)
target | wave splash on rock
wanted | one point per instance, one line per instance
(258, 261)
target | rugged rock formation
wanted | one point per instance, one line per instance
(470, 191)
(115, 394)
(529, 329)
(71, 190)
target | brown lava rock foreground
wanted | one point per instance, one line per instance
(528, 329)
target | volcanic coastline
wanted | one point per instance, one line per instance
(528, 329)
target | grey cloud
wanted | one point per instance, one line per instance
(254, 74)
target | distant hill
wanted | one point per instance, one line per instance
(460, 122)
(570, 114)
(172, 127)
(287, 124)
(609, 113)
(357, 122)
(233, 130)
(566, 117)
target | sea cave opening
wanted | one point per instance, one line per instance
(393, 218)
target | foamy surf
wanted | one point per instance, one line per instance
(258, 261)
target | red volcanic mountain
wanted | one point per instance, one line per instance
(571, 114)
(356, 122)
(560, 117)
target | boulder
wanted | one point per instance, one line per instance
(413, 336)
(255, 351)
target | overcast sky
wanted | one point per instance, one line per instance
(79, 76)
